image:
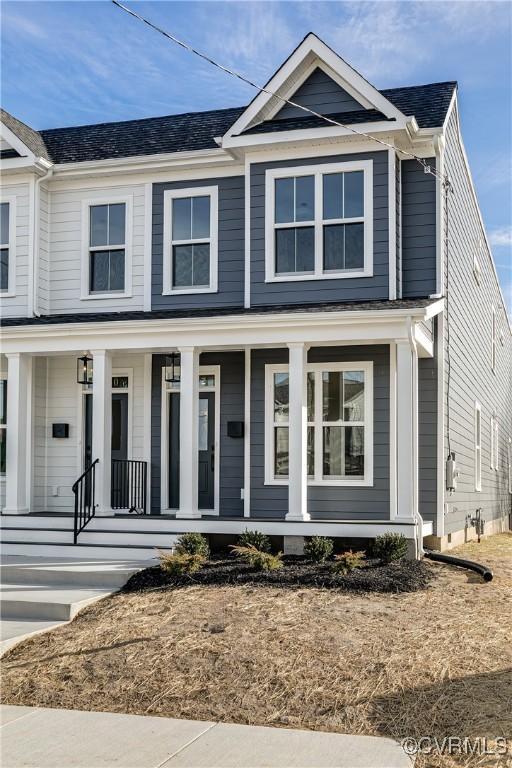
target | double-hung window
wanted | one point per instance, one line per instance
(339, 423)
(190, 240)
(7, 233)
(478, 447)
(319, 222)
(107, 249)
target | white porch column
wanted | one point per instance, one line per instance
(19, 434)
(407, 430)
(297, 471)
(102, 427)
(189, 425)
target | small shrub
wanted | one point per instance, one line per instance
(389, 547)
(180, 563)
(349, 561)
(318, 548)
(193, 544)
(259, 541)
(262, 561)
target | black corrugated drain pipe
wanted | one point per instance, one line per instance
(485, 573)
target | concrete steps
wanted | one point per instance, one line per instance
(35, 601)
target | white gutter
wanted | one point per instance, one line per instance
(35, 241)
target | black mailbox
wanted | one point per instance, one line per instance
(60, 430)
(235, 429)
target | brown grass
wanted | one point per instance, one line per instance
(431, 663)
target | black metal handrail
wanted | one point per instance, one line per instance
(129, 485)
(85, 493)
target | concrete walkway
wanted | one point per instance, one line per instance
(62, 738)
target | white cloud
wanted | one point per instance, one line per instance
(501, 237)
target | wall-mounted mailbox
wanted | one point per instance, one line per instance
(60, 430)
(235, 429)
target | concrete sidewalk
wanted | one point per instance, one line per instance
(62, 738)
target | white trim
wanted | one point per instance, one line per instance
(174, 194)
(477, 446)
(30, 246)
(317, 368)
(148, 249)
(247, 234)
(318, 170)
(392, 221)
(247, 432)
(11, 245)
(440, 427)
(509, 457)
(495, 442)
(146, 439)
(310, 49)
(18, 145)
(439, 147)
(393, 408)
(85, 294)
(3, 377)
(128, 372)
(204, 370)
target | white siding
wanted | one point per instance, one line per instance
(44, 248)
(67, 252)
(16, 306)
(39, 435)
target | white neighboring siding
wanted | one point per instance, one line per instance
(57, 461)
(66, 250)
(44, 247)
(16, 306)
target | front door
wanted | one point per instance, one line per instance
(206, 451)
(120, 480)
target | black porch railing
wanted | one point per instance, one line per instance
(85, 494)
(129, 485)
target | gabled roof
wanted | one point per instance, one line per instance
(28, 136)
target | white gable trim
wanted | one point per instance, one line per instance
(312, 48)
(16, 143)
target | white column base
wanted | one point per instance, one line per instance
(297, 472)
(15, 511)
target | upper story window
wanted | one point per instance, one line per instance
(106, 267)
(339, 424)
(319, 222)
(190, 240)
(7, 255)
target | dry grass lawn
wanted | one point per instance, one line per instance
(431, 663)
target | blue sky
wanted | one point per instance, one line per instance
(70, 63)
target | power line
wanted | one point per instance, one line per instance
(262, 89)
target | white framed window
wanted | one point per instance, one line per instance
(106, 266)
(493, 339)
(319, 221)
(339, 423)
(495, 444)
(7, 246)
(478, 446)
(190, 258)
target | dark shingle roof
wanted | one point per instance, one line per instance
(173, 314)
(197, 130)
(291, 123)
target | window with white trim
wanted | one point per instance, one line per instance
(493, 339)
(190, 240)
(495, 446)
(3, 425)
(4, 246)
(319, 221)
(339, 423)
(478, 447)
(107, 248)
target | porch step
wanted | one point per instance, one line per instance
(68, 572)
(34, 601)
(79, 551)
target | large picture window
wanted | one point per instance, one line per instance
(190, 240)
(339, 423)
(319, 221)
(107, 270)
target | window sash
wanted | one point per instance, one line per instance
(318, 424)
(319, 222)
(107, 248)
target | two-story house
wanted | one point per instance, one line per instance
(252, 318)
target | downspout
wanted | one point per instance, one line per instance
(418, 520)
(35, 241)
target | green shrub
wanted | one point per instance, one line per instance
(255, 539)
(182, 563)
(193, 544)
(389, 547)
(349, 561)
(262, 561)
(318, 548)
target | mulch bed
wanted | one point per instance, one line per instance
(401, 576)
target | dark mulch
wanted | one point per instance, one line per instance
(401, 576)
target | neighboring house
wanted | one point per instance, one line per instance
(285, 331)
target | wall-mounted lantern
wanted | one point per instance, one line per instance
(84, 369)
(171, 364)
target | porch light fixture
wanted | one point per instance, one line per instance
(84, 369)
(171, 365)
